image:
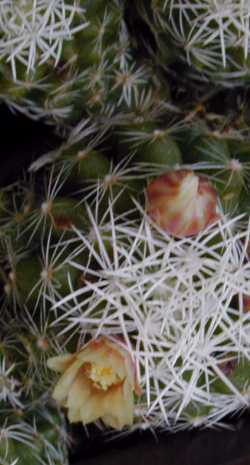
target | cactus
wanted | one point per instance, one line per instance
(124, 255)
(32, 429)
(212, 37)
(61, 61)
(104, 267)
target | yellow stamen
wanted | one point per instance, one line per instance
(102, 377)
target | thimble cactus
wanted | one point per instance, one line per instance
(64, 60)
(34, 31)
(146, 323)
(212, 36)
(124, 258)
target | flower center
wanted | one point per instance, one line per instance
(101, 376)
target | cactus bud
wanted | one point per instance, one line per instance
(246, 303)
(181, 202)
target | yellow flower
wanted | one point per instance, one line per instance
(97, 382)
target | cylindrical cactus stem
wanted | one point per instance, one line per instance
(203, 35)
(29, 441)
(33, 277)
(97, 176)
(235, 369)
(150, 143)
(63, 213)
(85, 164)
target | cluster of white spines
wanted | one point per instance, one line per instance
(33, 31)
(171, 302)
(9, 386)
(214, 26)
(17, 432)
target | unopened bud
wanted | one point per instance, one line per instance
(182, 202)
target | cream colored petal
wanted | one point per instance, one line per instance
(102, 350)
(107, 353)
(92, 357)
(124, 361)
(92, 353)
(61, 362)
(118, 409)
(93, 409)
(61, 390)
(130, 371)
(118, 364)
(78, 396)
(127, 388)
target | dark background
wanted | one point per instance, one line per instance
(196, 447)
(21, 142)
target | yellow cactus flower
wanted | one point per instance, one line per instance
(98, 382)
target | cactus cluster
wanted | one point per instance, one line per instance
(62, 61)
(124, 253)
(210, 36)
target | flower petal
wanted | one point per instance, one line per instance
(118, 410)
(93, 408)
(78, 396)
(99, 351)
(61, 362)
(62, 387)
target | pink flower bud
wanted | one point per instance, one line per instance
(246, 303)
(182, 202)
